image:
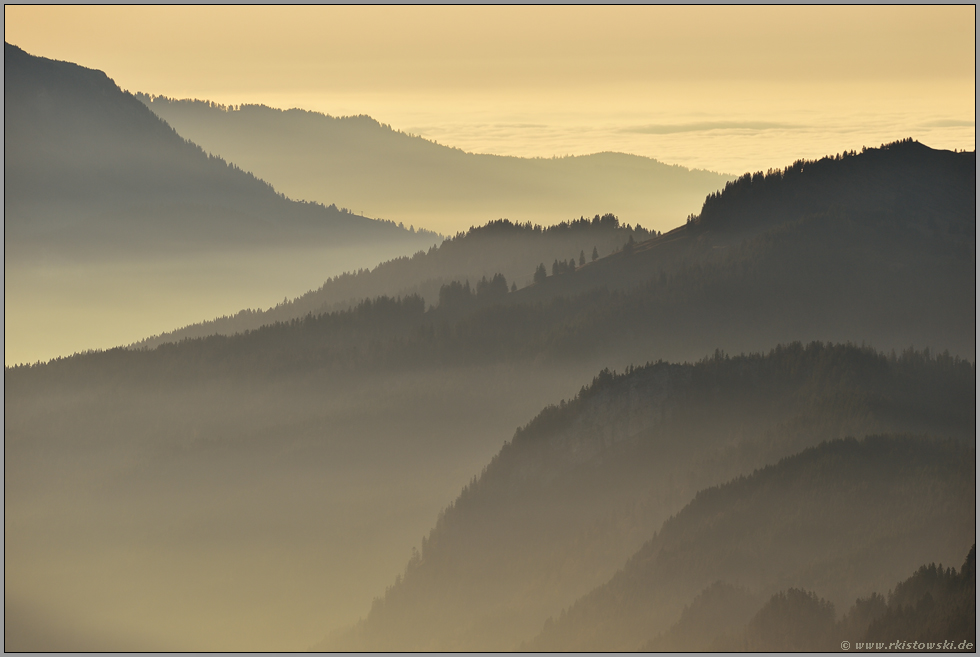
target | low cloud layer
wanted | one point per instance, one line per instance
(705, 126)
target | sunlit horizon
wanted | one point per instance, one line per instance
(725, 89)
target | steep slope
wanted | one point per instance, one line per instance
(116, 228)
(845, 517)
(363, 164)
(86, 165)
(562, 505)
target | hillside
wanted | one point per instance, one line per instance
(86, 165)
(116, 227)
(844, 518)
(358, 162)
(578, 489)
(500, 247)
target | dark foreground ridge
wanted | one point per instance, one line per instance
(580, 488)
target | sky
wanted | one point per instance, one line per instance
(730, 89)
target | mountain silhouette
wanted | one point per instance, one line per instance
(362, 163)
(88, 167)
(117, 227)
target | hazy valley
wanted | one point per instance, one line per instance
(659, 426)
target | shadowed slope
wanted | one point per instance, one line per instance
(843, 518)
(577, 490)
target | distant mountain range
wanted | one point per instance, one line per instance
(360, 163)
(88, 168)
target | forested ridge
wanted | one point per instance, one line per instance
(578, 487)
(501, 247)
(902, 178)
(844, 518)
(886, 232)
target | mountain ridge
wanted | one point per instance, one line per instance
(364, 163)
(85, 162)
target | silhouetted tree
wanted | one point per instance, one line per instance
(455, 294)
(540, 274)
(495, 287)
(595, 254)
(563, 267)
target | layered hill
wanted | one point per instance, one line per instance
(768, 260)
(87, 166)
(314, 430)
(116, 227)
(358, 162)
(845, 518)
(893, 277)
(575, 491)
(498, 248)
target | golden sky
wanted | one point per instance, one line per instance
(725, 88)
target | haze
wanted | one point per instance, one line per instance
(729, 89)
(280, 379)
